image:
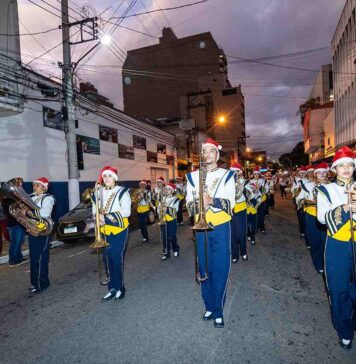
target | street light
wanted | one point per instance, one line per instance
(105, 39)
(221, 119)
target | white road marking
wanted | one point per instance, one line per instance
(73, 255)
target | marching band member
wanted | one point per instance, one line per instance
(143, 209)
(115, 208)
(39, 245)
(261, 212)
(254, 197)
(219, 199)
(314, 230)
(271, 183)
(333, 210)
(296, 189)
(239, 217)
(168, 209)
(180, 194)
(158, 191)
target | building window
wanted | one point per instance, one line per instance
(202, 45)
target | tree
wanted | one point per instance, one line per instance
(295, 157)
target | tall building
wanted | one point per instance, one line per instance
(187, 79)
(344, 58)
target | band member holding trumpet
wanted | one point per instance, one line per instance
(158, 191)
(336, 207)
(315, 231)
(257, 180)
(214, 190)
(254, 196)
(114, 204)
(167, 211)
(239, 217)
(39, 245)
(143, 209)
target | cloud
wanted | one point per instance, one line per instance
(244, 28)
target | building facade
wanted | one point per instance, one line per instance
(344, 56)
(33, 143)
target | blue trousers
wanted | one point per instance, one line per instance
(261, 214)
(169, 237)
(338, 271)
(251, 226)
(238, 234)
(219, 263)
(316, 238)
(300, 214)
(17, 235)
(306, 237)
(114, 255)
(180, 212)
(39, 259)
(142, 221)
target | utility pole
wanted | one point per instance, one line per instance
(69, 114)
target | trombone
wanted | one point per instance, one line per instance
(100, 242)
(200, 223)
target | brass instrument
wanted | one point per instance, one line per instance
(100, 241)
(239, 188)
(23, 209)
(138, 195)
(201, 224)
(352, 201)
(162, 210)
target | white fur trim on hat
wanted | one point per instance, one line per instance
(342, 160)
(41, 183)
(110, 173)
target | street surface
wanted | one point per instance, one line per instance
(276, 309)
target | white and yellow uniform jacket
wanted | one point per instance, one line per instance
(254, 198)
(115, 205)
(181, 191)
(45, 203)
(240, 198)
(307, 193)
(220, 185)
(144, 204)
(170, 208)
(330, 199)
(157, 192)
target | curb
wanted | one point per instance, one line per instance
(54, 244)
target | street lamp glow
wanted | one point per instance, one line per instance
(221, 119)
(248, 150)
(105, 39)
(259, 159)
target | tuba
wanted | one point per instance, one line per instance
(23, 208)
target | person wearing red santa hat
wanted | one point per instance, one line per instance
(143, 209)
(39, 245)
(167, 210)
(315, 231)
(298, 182)
(213, 246)
(333, 210)
(114, 209)
(158, 191)
(239, 217)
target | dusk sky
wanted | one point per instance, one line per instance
(248, 29)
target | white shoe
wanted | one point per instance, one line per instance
(176, 254)
(252, 242)
(249, 238)
(234, 260)
(164, 257)
(144, 240)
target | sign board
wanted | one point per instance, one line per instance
(186, 124)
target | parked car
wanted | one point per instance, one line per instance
(79, 223)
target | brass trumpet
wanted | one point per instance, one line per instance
(100, 241)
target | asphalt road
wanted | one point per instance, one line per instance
(276, 309)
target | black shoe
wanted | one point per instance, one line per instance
(109, 296)
(122, 294)
(207, 318)
(219, 325)
(345, 346)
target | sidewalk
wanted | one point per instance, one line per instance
(4, 257)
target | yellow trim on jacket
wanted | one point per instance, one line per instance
(143, 208)
(111, 229)
(240, 206)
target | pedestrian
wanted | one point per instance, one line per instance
(143, 209)
(167, 210)
(283, 183)
(213, 246)
(39, 245)
(114, 211)
(239, 217)
(333, 210)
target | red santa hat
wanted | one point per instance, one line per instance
(302, 169)
(321, 167)
(160, 179)
(343, 155)
(111, 171)
(179, 177)
(257, 170)
(236, 167)
(310, 168)
(143, 182)
(171, 185)
(43, 181)
(212, 143)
